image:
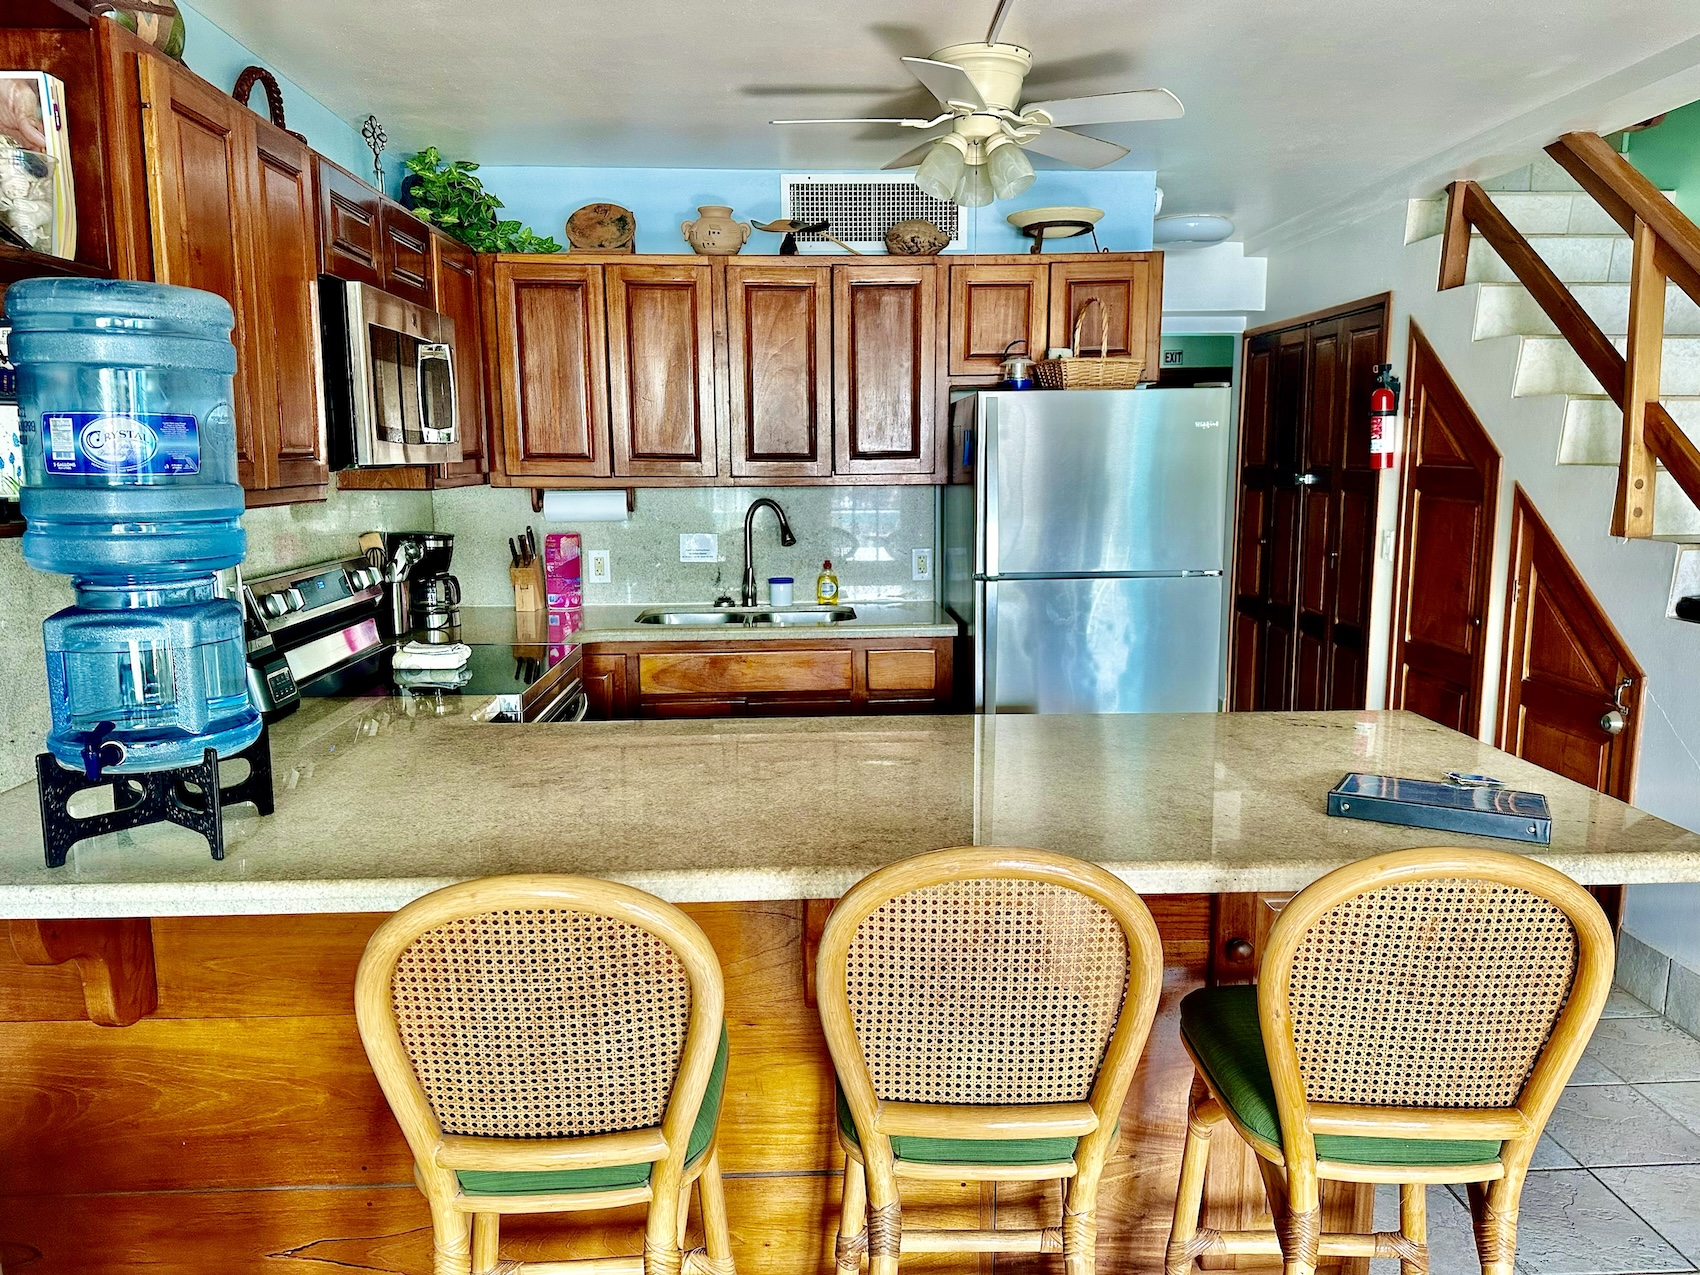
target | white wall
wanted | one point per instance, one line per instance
(1630, 579)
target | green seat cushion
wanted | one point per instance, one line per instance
(493, 1182)
(1221, 1026)
(967, 1150)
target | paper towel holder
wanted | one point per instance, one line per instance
(537, 500)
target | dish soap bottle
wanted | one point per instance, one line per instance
(826, 586)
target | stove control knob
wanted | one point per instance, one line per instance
(293, 601)
(274, 604)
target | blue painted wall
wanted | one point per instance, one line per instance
(543, 198)
(214, 55)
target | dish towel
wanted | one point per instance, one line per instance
(420, 655)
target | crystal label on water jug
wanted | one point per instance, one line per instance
(103, 443)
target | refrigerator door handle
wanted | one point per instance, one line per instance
(986, 667)
(987, 470)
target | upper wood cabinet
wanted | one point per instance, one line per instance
(661, 400)
(1129, 318)
(884, 358)
(350, 238)
(779, 360)
(231, 204)
(552, 349)
(991, 307)
(405, 244)
(454, 278)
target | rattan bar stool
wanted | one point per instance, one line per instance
(985, 1010)
(552, 1044)
(1416, 1017)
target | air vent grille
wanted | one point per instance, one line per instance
(861, 207)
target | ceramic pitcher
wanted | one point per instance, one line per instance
(714, 233)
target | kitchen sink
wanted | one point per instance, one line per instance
(705, 617)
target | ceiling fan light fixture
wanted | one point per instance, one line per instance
(1010, 170)
(941, 171)
(975, 190)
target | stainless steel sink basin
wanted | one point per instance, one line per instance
(707, 617)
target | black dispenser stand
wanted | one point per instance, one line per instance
(188, 796)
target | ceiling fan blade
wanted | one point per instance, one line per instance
(1075, 148)
(1112, 108)
(861, 120)
(910, 158)
(947, 82)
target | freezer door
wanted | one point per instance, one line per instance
(1104, 645)
(1110, 481)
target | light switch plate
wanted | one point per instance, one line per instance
(921, 564)
(601, 569)
(1387, 544)
(699, 546)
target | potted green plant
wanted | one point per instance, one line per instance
(449, 197)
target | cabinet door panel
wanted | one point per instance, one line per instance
(349, 244)
(991, 306)
(406, 245)
(1128, 318)
(553, 352)
(885, 334)
(661, 371)
(454, 280)
(198, 175)
(779, 353)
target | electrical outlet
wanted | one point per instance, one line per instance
(601, 570)
(921, 564)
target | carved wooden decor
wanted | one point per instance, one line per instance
(114, 957)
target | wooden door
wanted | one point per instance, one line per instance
(884, 352)
(779, 357)
(454, 280)
(1566, 668)
(991, 307)
(349, 237)
(661, 400)
(198, 158)
(405, 244)
(552, 350)
(1447, 509)
(284, 226)
(1129, 316)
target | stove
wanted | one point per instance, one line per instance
(323, 630)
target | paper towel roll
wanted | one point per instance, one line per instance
(584, 506)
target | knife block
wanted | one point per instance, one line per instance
(528, 587)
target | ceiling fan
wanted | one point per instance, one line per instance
(979, 86)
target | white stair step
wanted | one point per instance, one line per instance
(1547, 365)
(1593, 429)
(1573, 258)
(1675, 516)
(1543, 173)
(1507, 309)
(1532, 212)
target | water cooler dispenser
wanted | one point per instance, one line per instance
(131, 489)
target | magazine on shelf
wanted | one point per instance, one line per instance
(32, 114)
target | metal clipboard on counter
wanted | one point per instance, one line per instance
(1471, 804)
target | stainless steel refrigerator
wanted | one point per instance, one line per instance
(1086, 554)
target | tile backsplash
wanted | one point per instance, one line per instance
(868, 532)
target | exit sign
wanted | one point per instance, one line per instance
(1173, 358)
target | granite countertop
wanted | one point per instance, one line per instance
(376, 807)
(873, 620)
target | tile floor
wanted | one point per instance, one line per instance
(1616, 1189)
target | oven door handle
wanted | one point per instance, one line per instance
(570, 705)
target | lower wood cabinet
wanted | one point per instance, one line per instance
(769, 678)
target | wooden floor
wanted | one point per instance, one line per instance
(239, 1127)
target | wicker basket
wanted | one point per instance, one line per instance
(1090, 372)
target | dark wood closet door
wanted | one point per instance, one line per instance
(1447, 508)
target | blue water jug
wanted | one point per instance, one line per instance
(125, 408)
(145, 677)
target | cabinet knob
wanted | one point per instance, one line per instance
(1238, 951)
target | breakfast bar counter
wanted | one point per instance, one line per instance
(182, 1083)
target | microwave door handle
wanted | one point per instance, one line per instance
(435, 352)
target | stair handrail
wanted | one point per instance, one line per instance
(1666, 248)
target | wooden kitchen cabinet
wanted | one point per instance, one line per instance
(749, 678)
(662, 407)
(779, 360)
(884, 355)
(1129, 317)
(350, 239)
(231, 202)
(551, 348)
(454, 279)
(991, 307)
(404, 242)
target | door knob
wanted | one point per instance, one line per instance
(1612, 722)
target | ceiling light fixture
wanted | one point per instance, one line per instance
(1195, 230)
(941, 171)
(976, 188)
(1010, 170)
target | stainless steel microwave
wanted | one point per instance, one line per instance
(389, 378)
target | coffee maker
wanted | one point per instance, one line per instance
(433, 593)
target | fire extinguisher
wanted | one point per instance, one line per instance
(1383, 417)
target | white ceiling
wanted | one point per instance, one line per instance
(1294, 108)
